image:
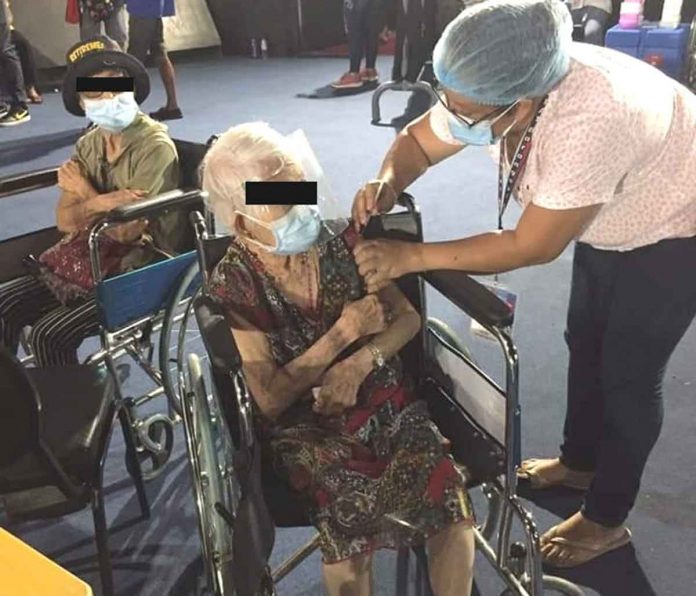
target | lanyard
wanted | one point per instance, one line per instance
(516, 166)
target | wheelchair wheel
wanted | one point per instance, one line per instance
(447, 334)
(210, 453)
(178, 331)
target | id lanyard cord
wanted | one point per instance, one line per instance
(505, 187)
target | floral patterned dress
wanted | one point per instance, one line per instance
(378, 476)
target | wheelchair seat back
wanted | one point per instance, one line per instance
(172, 231)
(142, 293)
(405, 226)
(283, 505)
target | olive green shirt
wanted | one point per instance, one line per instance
(148, 161)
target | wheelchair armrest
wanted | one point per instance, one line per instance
(154, 205)
(15, 184)
(471, 297)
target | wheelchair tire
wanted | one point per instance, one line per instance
(447, 334)
(209, 478)
(172, 368)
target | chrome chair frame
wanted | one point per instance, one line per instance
(154, 433)
(517, 564)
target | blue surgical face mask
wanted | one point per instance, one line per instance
(113, 114)
(480, 133)
(295, 232)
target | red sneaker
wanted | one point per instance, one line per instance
(350, 80)
(369, 75)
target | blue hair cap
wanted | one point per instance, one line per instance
(499, 51)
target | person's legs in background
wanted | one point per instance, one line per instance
(373, 24)
(146, 36)
(88, 27)
(594, 22)
(354, 16)
(11, 75)
(596, 25)
(26, 57)
(116, 26)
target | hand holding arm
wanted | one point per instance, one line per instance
(541, 235)
(275, 388)
(341, 383)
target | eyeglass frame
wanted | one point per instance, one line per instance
(442, 98)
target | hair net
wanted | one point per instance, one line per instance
(499, 51)
(256, 152)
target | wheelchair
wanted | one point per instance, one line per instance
(135, 306)
(416, 34)
(239, 498)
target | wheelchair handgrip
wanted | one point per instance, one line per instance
(155, 205)
(406, 200)
(471, 297)
(15, 184)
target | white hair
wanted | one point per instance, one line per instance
(248, 152)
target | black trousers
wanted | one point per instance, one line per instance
(26, 57)
(11, 78)
(364, 22)
(627, 313)
(56, 330)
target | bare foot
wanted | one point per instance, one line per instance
(547, 473)
(34, 96)
(578, 540)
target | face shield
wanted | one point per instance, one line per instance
(288, 215)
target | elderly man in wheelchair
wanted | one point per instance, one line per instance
(335, 409)
(125, 158)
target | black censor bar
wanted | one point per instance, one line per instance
(105, 84)
(281, 193)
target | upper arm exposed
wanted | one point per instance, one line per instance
(257, 359)
(544, 233)
(434, 148)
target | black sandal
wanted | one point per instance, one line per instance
(167, 114)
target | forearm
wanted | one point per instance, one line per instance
(296, 378)
(71, 214)
(493, 252)
(404, 163)
(390, 342)
(101, 204)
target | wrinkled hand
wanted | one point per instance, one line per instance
(373, 198)
(380, 261)
(367, 316)
(70, 179)
(339, 390)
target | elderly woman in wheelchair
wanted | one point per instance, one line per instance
(336, 410)
(125, 158)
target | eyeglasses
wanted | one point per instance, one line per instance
(494, 115)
